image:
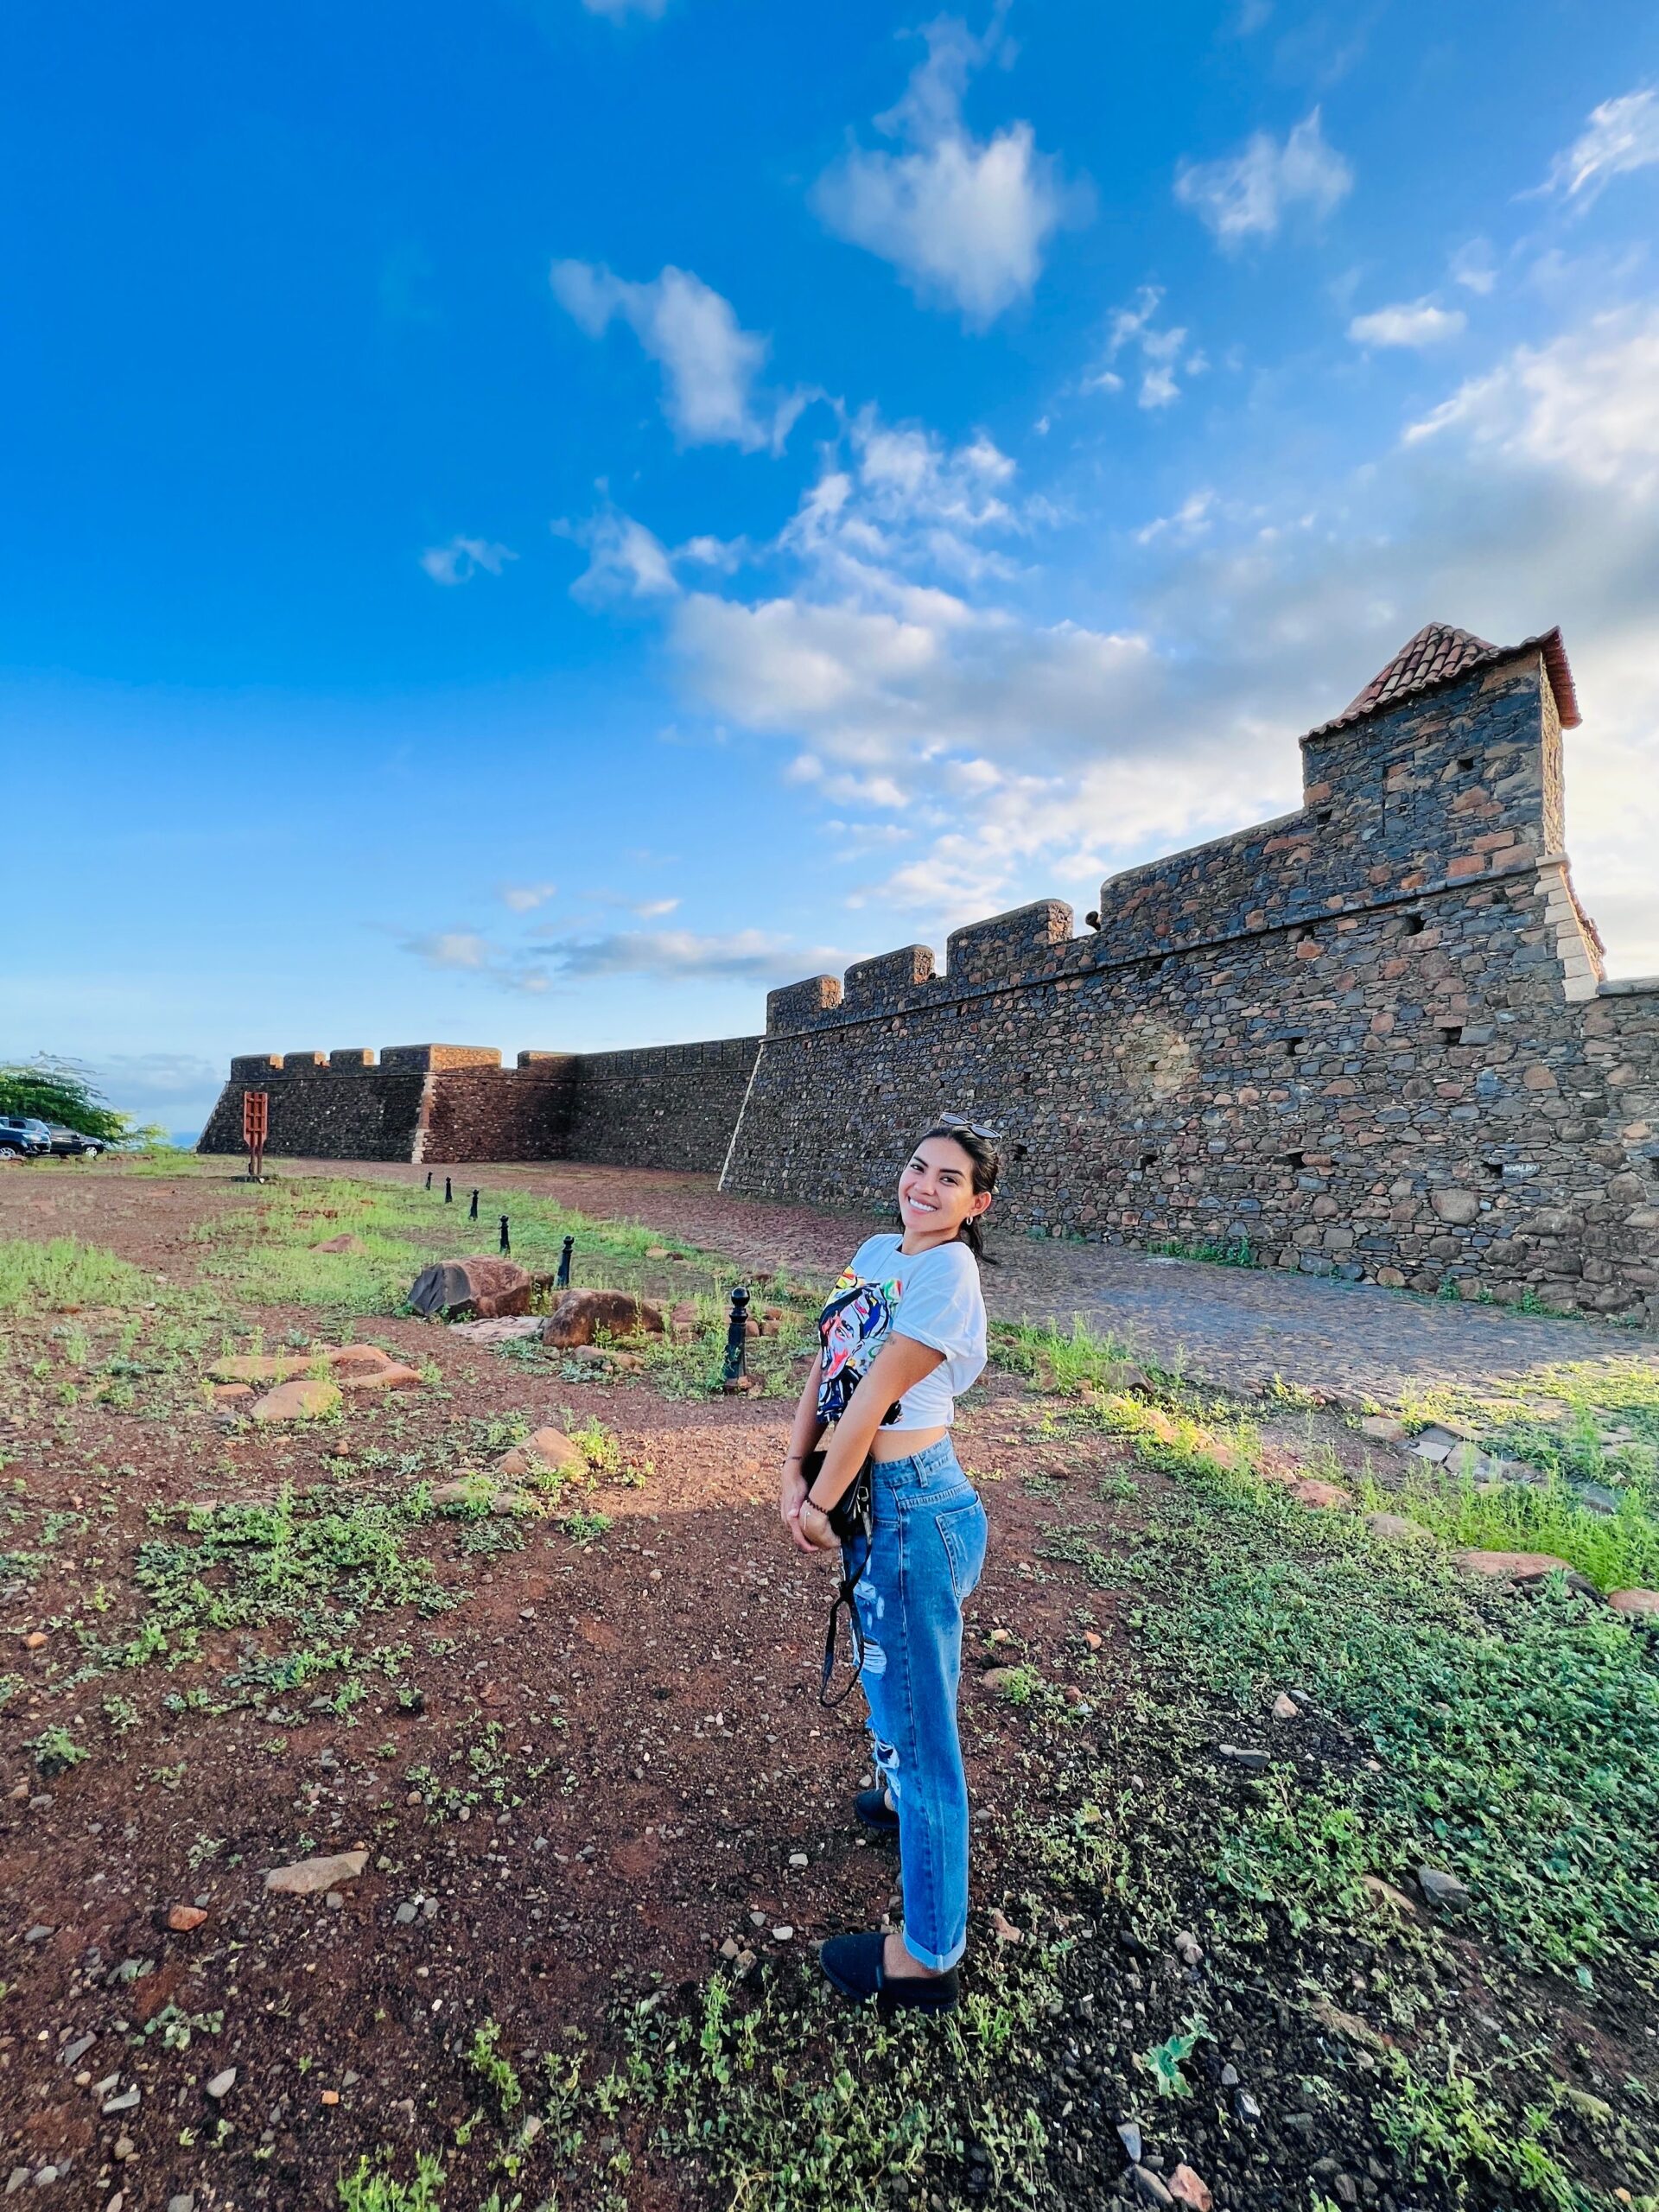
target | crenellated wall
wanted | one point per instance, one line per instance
(663, 1106)
(1371, 1037)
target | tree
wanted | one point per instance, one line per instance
(61, 1090)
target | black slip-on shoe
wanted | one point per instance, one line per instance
(875, 1816)
(853, 1965)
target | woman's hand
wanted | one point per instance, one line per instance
(813, 1532)
(791, 1491)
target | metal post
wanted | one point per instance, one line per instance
(735, 1370)
(429, 1179)
(471, 1213)
(561, 1281)
(506, 1242)
(448, 1192)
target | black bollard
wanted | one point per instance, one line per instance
(506, 1242)
(429, 1179)
(471, 1214)
(448, 1192)
(735, 1372)
(561, 1280)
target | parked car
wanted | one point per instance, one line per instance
(23, 1137)
(70, 1144)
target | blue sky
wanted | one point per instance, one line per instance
(529, 523)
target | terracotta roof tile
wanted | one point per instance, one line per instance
(1440, 654)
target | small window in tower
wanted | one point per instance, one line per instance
(1148, 1159)
(1413, 925)
(1466, 763)
(1494, 1168)
(1450, 1033)
(1293, 1160)
(1323, 815)
(1294, 1047)
(1019, 1151)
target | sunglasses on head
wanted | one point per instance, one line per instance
(974, 1129)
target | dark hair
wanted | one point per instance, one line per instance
(987, 1163)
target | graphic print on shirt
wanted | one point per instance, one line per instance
(852, 1327)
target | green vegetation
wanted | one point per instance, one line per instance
(265, 1247)
(313, 1567)
(38, 1278)
(1070, 1362)
(1618, 1550)
(1221, 1252)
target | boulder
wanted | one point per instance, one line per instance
(1636, 1605)
(306, 1400)
(474, 1289)
(508, 1330)
(233, 1393)
(683, 1321)
(1322, 1496)
(309, 1877)
(581, 1315)
(549, 1451)
(1395, 1525)
(347, 1360)
(182, 1918)
(1512, 1567)
(1383, 1428)
(394, 1376)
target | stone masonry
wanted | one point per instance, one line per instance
(1372, 1038)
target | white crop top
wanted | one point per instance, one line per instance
(932, 1297)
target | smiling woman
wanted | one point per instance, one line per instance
(903, 1336)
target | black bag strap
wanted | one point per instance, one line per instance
(844, 1597)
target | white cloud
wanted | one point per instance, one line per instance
(1473, 267)
(985, 752)
(619, 10)
(1415, 322)
(455, 949)
(1247, 195)
(962, 219)
(759, 956)
(1621, 137)
(651, 910)
(462, 558)
(1586, 405)
(1164, 354)
(624, 560)
(525, 898)
(712, 366)
(1190, 521)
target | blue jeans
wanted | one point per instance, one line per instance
(925, 1557)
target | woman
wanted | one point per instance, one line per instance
(904, 1336)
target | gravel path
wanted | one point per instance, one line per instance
(1236, 1327)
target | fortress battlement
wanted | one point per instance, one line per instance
(1369, 1038)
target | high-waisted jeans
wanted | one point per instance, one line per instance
(925, 1557)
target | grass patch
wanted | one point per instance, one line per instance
(1517, 1740)
(1070, 1362)
(1618, 1550)
(265, 1246)
(36, 1278)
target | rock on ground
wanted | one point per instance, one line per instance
(297, 1401)
(1397, 1526)
(1636, 1605)
(306, 1877)
(580, 1314)
(548, 1448)
(478, 1288)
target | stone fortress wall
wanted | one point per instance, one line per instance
(663, 1106)
(1372, 1038)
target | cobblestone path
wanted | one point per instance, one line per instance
(1237, 1327)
